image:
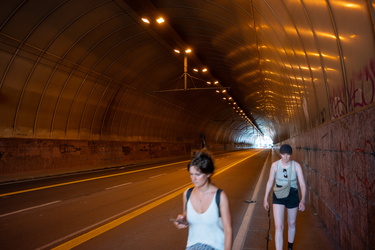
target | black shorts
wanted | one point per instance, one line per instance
(291, 201)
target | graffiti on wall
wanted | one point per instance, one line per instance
(68, 149)
(363, 157)
(361, 91)
(360, 159)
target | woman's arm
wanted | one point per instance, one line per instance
(182, 217)
(269, 185)
(302, 184)
(227, 221)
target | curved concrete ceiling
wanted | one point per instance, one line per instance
(92, 69)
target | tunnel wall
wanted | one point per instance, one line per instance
(339, 167)
(22, 158)
(27, 158)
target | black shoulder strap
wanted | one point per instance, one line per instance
(188, 193)
(218, 194)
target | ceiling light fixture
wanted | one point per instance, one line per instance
(186, 74)
(145, 20)
(160, 20)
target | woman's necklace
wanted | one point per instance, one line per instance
(202, 195)
(202, 198)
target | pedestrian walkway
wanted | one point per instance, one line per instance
(311, 233)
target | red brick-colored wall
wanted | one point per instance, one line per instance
(339, 167)
(25, 158)
(31, 158)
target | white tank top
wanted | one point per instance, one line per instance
(206, 228)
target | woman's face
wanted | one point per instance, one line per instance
(197, 177)
(285, 158)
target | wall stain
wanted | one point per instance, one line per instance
(66, 149)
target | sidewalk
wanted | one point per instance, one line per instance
(311, 233)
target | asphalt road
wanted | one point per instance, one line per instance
(125, 208)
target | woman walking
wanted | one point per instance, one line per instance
(285, 172)
(205, 209)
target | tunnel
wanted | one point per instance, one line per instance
(98, 84)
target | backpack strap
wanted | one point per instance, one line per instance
(217, 198)
(188, 193)
(218, 194)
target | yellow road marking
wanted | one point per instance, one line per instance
(102, 229)
(83, 180)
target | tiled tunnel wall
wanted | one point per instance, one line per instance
(339, 167)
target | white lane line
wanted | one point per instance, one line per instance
(156, 176)
(30, 208)
(117, 186)
(89, 179)
(241, 235)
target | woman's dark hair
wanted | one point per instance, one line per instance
(203, 162)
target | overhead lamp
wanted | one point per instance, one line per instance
(160, 20)
(145, 20)
(202, 70)
(187, 51)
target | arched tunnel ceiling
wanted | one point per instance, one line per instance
(94, 70)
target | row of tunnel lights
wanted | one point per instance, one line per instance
(224, 92)
(226, 96)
